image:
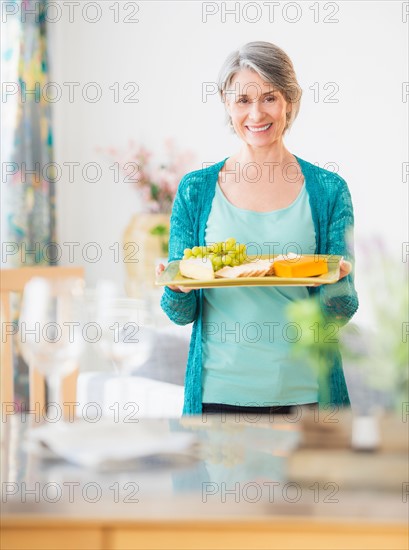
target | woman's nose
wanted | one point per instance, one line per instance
(255, 110)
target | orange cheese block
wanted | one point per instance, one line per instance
(301, 267)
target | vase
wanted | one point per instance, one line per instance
(145, 243)
(365, 433)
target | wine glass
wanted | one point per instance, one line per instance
(127, 332)
(50, 329)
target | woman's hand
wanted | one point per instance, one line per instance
(159, 270)
(345, 269)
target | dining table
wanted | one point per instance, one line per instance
(300, 480)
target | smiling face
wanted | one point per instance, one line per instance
(257, 109)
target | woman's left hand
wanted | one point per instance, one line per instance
(345, 269)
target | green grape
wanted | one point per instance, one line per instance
(230, 244)
(217, 262)
(223, 253)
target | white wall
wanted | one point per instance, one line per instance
(171, 52)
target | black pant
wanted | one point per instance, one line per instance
(218, 408)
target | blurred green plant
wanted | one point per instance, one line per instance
(162, 232)
(317, 340)
(381, 348)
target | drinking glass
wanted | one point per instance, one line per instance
(127, 332)
(50, 329)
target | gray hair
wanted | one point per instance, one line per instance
(272, 64)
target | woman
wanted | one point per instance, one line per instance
(267, 196)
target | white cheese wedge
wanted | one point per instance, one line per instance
(197, 268)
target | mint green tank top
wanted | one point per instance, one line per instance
(246, 335)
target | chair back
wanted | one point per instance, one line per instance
(14, 280)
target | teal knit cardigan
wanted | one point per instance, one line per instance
(332, 215)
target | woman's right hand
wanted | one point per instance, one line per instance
(159, 270)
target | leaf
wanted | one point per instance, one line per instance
(160, 230)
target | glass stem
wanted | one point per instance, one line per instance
(54, 396)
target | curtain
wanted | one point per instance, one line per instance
(28, 209)
(28, 185)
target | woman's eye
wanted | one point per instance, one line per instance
(242, 100)
(270, 98)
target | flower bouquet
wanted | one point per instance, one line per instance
(147, 234)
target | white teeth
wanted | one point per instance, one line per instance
(259, 129)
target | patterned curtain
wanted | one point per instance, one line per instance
(27, 145)
(28, 187)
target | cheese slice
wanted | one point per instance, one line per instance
(258, 268)
(197, 268)
(301, 267)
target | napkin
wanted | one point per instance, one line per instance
(106, 444)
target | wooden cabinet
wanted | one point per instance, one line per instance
(282, 534)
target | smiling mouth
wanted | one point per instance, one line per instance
(258, 129)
